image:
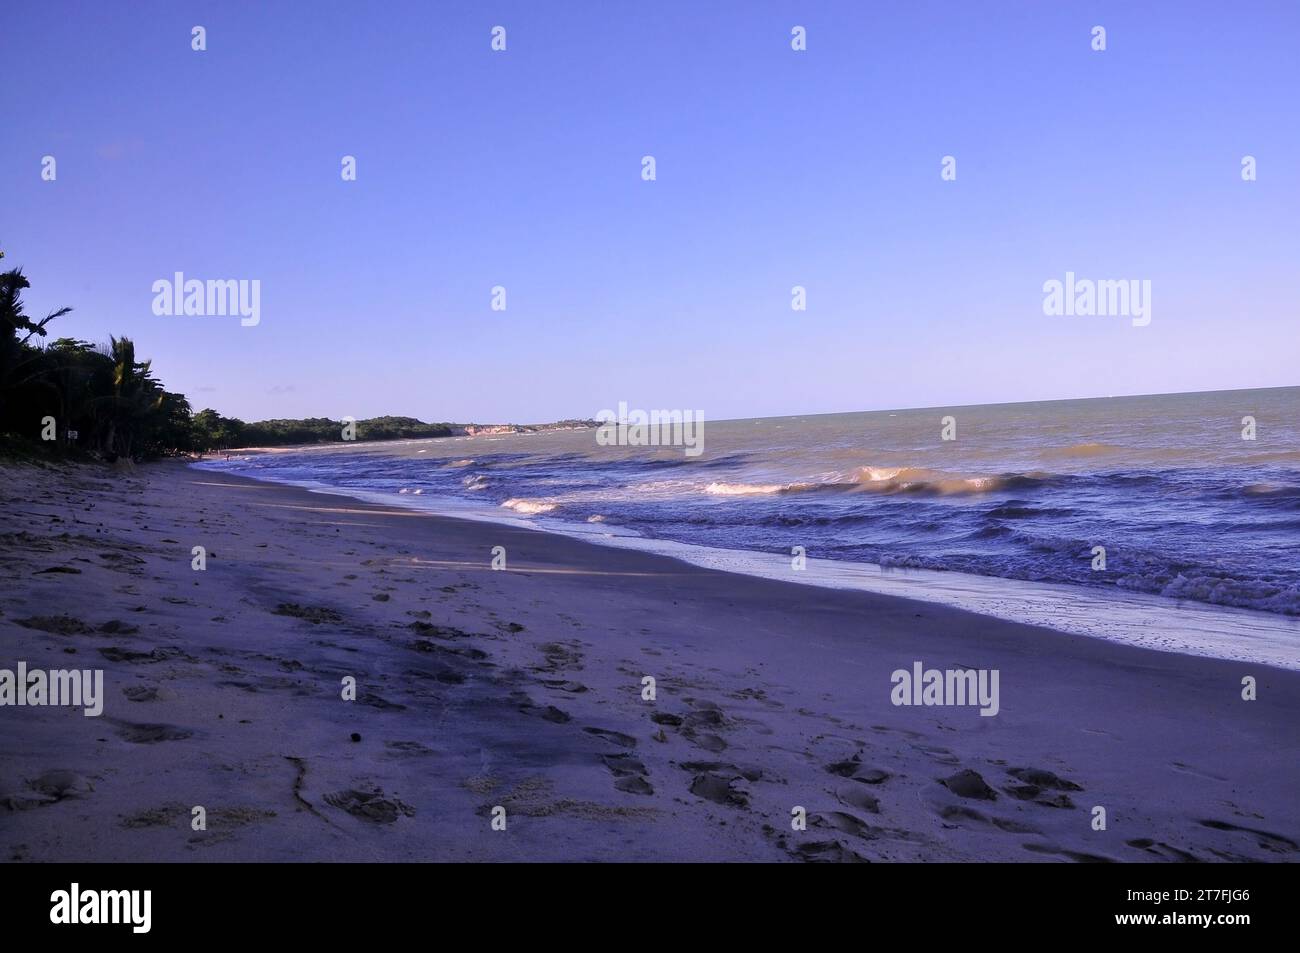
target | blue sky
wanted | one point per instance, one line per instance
(775, 169)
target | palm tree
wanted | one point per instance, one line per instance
(16, 330)
(134, 397)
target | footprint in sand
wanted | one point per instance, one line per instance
(437, 631)
(724, 769)
(118, 627)
(969, 784)
(701, 725)
(548, 713)
(614, 737)
(144, 734)
(855, 770)
(629, 773)
(559, 657)
(1043, 779)
(942, 755)
(56, 624)
(115, 654)
(1268, 841)
(827, 852)
(125, 562)
(711, 743)
(856, 796)
(1037, 785)
(563, 685)
(60, 784)
(370, 805)
(313, 614)
(955, 814)
(1077, 856)
(1162, 850)
(429, 648)
(703, 718)
(375, 701)
(719, 790)
(843, 822)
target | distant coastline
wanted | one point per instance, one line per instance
(235, 436)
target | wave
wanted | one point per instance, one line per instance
(1257, 594)
(920, 480)
(746, 489)
(529, 507)
(931, 482)
(1271, 491)
(891, 480)
(938, 482)
(1017, 509)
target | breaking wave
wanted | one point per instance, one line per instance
(890, 480)
(529, 507)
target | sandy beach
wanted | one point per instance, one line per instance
(524, 689)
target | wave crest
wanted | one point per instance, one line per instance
(889, 480)
(744, 489)
(529, 507)
(920, 480)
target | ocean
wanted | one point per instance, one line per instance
(1190, 514)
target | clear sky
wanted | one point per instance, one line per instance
(775, 168)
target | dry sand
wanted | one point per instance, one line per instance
(523, 689)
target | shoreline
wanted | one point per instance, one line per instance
(523, 689)
(1180, 626)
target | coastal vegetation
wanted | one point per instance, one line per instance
(71, 397)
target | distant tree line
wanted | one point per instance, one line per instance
(213, 431)
(100, 399)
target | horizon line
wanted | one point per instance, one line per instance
(831, 413)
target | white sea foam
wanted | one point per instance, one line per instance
(529, 507)
(743, 489)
